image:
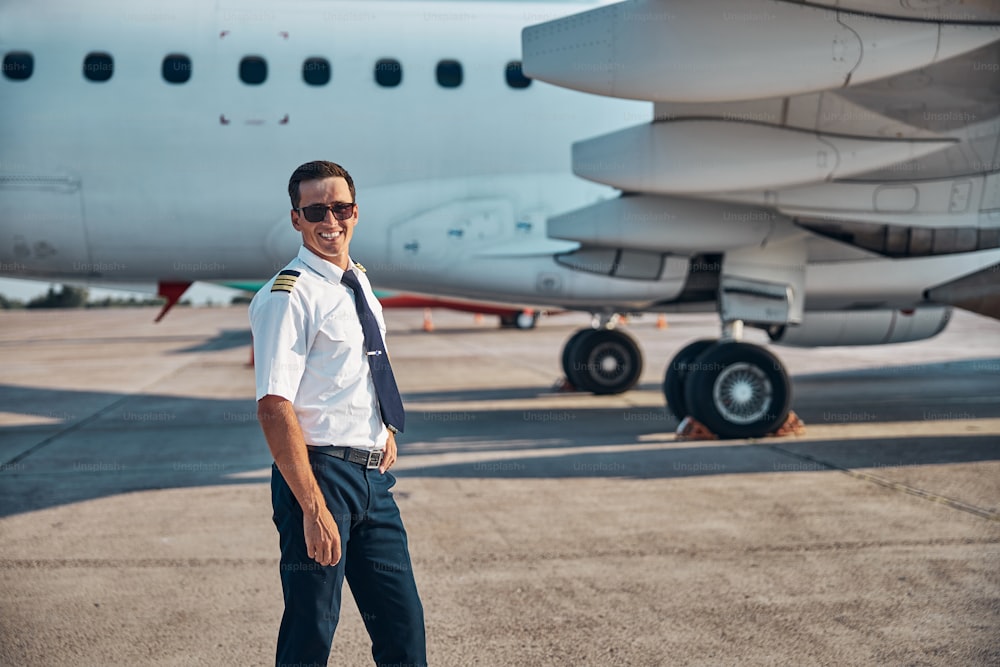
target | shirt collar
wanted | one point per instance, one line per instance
(321, 266)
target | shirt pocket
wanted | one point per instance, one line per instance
(340, 348)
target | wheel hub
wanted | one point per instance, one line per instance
(742, 393)
(610, 363)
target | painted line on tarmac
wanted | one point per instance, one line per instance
(954, 503)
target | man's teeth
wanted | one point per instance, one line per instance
(329, 235)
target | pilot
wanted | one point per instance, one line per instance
(330, 410)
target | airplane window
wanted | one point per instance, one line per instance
(253, 70)
(388, 72)
(515, 77)
(176, 68)
(98, 66)
(18, 65)
(449, 73)
(316, 71)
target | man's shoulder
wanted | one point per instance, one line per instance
(286, 280)
(292, 279)
(288, 284)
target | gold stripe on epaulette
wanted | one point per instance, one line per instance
(360, 268)
(285, 280)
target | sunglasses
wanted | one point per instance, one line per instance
(317, 212)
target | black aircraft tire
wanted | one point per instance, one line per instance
(570, 367)
(677, 372)
(738, 390)
(526, 320)
(523, 320)
(605, 361)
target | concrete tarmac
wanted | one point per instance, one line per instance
(545, 528)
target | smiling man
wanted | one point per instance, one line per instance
(330, 410)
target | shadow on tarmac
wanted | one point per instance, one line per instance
(764, 456)
(96, 444)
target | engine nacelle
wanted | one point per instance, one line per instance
(869, 327)
(659, 50)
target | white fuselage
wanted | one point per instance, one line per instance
(135, 178)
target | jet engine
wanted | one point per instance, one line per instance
(870, 327)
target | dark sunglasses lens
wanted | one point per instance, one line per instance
(314, 213)
(343, 211)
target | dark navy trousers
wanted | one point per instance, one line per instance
(375, 559)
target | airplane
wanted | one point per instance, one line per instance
(824, 171)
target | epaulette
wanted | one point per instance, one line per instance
(285, 281)
(360, 268)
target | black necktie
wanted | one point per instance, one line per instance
(389, 402)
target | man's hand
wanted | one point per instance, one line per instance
(322, 536)
(389, 455)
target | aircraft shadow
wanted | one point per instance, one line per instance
(87, 444)
(764, 456)
(226, 339)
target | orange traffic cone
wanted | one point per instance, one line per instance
(428, 322)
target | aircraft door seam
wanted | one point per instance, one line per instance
(861, 49)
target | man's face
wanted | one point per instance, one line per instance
(330, 237)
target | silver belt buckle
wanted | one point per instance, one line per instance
(374, 459)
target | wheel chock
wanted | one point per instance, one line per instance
(563, 385)
(792, 426)
(692, 429)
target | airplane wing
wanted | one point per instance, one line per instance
(871, 125)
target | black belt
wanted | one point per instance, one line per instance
(363, 457)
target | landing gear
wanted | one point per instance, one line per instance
(737, 390)
(526, 319)
(677, 373)
(602, 361)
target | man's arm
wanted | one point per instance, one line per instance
(288, 447)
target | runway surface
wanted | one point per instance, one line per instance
(545, 528)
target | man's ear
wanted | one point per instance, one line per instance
(295, 219)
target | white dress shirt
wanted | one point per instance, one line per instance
(310, 349)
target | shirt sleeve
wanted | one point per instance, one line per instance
(280, 344)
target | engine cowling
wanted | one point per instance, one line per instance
(869, 327)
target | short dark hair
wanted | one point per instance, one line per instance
(315, 171)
